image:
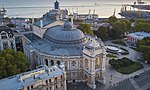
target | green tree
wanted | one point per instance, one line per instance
(112, 20)
(144, 47)
(141, 26)
(119, 28)
(102, 33)
(11, 25)
(12, 62)
(86, 28)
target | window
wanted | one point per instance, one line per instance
(58, 62)
(31, 86)
(46, 82)
(49, 80)
(28, 88)
(46, 62)
(73, 63)
(56, 86)
(52, 62)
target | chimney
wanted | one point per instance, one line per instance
(72, 21)
(41, 23)
(89, 16)
(32, 20)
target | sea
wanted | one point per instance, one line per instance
(36, 8)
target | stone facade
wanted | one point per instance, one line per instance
(45, 78)
(88, 66)
(7, 38)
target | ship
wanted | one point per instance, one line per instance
(2, 12)
(141, 5)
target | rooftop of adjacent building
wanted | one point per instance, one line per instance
(139, 35)
(28, 78)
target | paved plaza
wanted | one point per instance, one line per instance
(140, 83)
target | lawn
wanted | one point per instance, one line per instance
(125, 65)
(111, 56)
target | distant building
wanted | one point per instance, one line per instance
(77, 16)
(45, 78)
(54, 42)
(7, 38)
(52, 18)
(2, 13)
(56, 5)
(20, 22)
(134, 37)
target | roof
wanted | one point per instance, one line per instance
(59, 34)
(48, 48)
(45, 22)
(139, 35)
(24, 79)
(6, 29)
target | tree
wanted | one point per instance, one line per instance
(11, 25)
(112, 19)
(86, 28)
(141, 26)
(12, 62)
(119, 28)
(144, 47)
(102, 32)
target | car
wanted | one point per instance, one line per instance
(136, 76)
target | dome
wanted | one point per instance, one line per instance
(67, 25)
(59, 34)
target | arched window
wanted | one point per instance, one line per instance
(73, 63)
(46, 62)
(52, 62)
(10, 36)
(3, 35)
(58, 62)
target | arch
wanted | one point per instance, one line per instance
(73, 63)
(4, 35)
(46, 62)
(58, 62)
(10, 36)
(52, 62)
(85, 77)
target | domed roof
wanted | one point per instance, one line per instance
(65, 34)
(67, 25)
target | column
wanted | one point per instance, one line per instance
(14, 43)
(102, 72)
(91, 81)
(92, 66)
(8, 41)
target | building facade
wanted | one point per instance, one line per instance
(7, 38)
(45, 78)
(136, 36)
(83, 55)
